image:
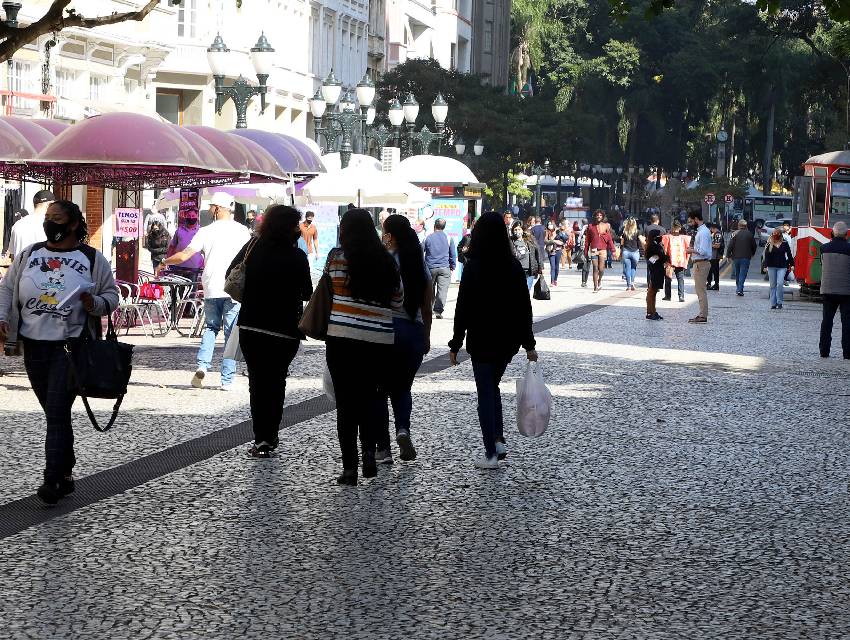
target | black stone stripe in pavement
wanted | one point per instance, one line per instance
(18, 515)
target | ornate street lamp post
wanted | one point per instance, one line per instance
(338, 120)
(240, 91)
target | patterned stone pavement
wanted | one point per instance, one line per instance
(693, 484)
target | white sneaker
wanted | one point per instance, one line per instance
(501, 450)
(487, 463)
(198, 378)
(229, 387)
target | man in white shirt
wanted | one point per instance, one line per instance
(700, 253)
(30, 229)
(219, 242)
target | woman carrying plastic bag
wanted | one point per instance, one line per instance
(493, 286)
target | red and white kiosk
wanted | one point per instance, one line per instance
(821, 198)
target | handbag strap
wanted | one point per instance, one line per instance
(112, 418)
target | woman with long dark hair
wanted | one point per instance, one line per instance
(367, 290)
(412, 327)
(493, 286)
(277, 281)
(39, 307)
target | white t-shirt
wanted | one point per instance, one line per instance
(46, 280)
(219, 242)
(26, 231)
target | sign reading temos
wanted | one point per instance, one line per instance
(710, 199)
(127, 222)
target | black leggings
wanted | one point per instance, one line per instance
(268, 358)
(356, 367)
(47, 370)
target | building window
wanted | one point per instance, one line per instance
(98, 88)
(169, 104)
(187, 16)
(488, 36)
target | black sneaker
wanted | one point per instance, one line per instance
(49, 493)
(655, 316)
(261, 450)
(348, 477)
(66, 486)
(405, 446)
(383, 456)
(666, 298)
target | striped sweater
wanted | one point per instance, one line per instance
(356, 319)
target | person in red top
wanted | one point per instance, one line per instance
(599, 243)
(675, 246)
(310, 235)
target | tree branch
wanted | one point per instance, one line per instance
(56, 19)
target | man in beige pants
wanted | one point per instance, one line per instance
(701, 255)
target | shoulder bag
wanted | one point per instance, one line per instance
(99, 369)
(317, 313)
(234, 283)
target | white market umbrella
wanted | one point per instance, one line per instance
(365, 187)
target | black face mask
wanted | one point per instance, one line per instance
(55, 231)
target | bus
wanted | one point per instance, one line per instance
(768, 208)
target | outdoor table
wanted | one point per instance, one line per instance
(173, 288)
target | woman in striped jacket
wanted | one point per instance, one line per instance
(367, 290)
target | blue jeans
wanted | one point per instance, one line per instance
(219, 313)
(488, 375)
(529, 280)
(630, 264)
(554, 266)
(406, 358)
(776, 276)
(742, 266)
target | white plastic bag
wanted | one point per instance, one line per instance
(328, 384)
(232, 350)
(533, 402)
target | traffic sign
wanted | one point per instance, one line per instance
(710, 199)
(728, 198)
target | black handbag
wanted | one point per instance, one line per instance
(99, 369)
(541, 289)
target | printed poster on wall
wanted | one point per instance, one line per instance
(127, 222)
(454, 213)
(327, 223)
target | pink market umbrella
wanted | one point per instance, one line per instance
(308, 155)
(291, 159)
(118, 150)
(15, 151)
(209, 155)
(53, 126)
(245, 155)
(37, 136)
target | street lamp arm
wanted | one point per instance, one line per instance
(241, 93)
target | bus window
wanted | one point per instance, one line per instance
(819, 209)
(839, 203)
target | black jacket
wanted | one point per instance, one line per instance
(277, 281)
(780, 256)
(742, 246)
(656, 269)
(493, 312)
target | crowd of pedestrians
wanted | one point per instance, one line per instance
(383, 290)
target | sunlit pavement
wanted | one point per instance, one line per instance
(693, 484)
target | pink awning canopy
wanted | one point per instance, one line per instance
(211, 157)
(127, 150)
(15, 151)
(37, 136)
(245, 155)
(53, 126)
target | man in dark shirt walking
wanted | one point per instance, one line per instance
(742, 248)
(440, 259)
(835, 289)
